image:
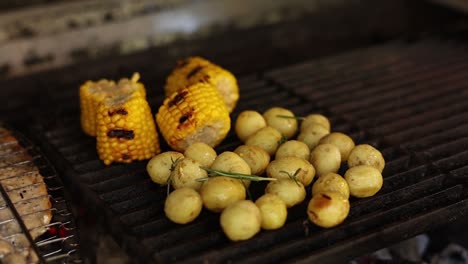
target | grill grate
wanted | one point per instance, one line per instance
(408, 100)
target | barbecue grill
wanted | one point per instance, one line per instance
(404, 95)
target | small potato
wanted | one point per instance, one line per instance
(366, 154)
(331, 182)
(201, 152)
(328, 209)
(219, 192)
(325, 158)
(159, 167)
(293, 148)
(290, 191)
(186, 173)
(256, 158)
(241, 220)
(286, 126)
(284, 168)
(312, 135)
(266, 138)
(247, 123)
(315, 119)
(344, 143)
(273, 210)
(229, 161)
(363, 180)
(183, 205)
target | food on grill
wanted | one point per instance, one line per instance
(266, 138)
(315, 119)
(344, 143)
(241, 220)
(194, 70)
(291, 168)
(159, 167)
(219, 192)
(282, 120)
(256, 158)
(328, 209)
(363, 180)
(26, 189)
(366, 154)
(231, 162)
(183, 205)
(185, 174)
(273, 211)
(196, 113)
(292, 192)
(293, 148)
(325, 158)
(125, 129)
(202, 153)
(312, 135)
(247, 123)
(331, 182)
(93, 93)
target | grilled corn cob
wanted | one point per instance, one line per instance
(196, 69)
(125, 129)
(92, 93)
(196, 113)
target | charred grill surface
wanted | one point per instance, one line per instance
(408, 100)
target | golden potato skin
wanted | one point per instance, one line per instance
(342, 141)
(283, 167)
(331, 182)
(290, 191)
(229, 161)
(325, 158)
(201, 152)
(273, 211)
(363, 180)
(266, 138)
(241, 220)
(366, 154)
(312, 135)
(159, 167)
(183, 205)
(328, 209)
(219, 192)
(247, 123)
(286, 126)
(293, 148)
(185, 174)
(315, 119)
(257, 158)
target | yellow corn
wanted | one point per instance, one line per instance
(126, 130)
(195, 69)
(92, 93)
(196, 113)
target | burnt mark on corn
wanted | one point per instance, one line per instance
(205, 78)
(121, 133)
(125, 156)
(185, 119)
(119, 111)
(194, 71)
(178, 98)
(181, 64)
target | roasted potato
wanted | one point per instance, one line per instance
(363, 180)
(314, 120)
(331, 182)
(328, 209)
(273, 211)
(285, 168)
(286, 126)
(185, 174)
(266, 138)
(219, 192)
(366, 154)
(312, 135)
(256, 158)
(201, 152)
(342, 141)
(293, 148)
(229, 161)
(290, 191)
(241, 220)
(247, 123)
(159, 167)
(325, 158)
(183, 205)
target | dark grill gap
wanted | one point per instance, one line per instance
(406, 99)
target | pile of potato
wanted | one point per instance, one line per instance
(271, 151)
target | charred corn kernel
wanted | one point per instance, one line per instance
(92, 93)
(126, 130)
(195, 69)
(195, 113)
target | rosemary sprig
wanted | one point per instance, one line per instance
(293, 176)
(239, 176)
(169, 179)
(291, 117)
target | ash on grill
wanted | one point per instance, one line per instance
(36, 223)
